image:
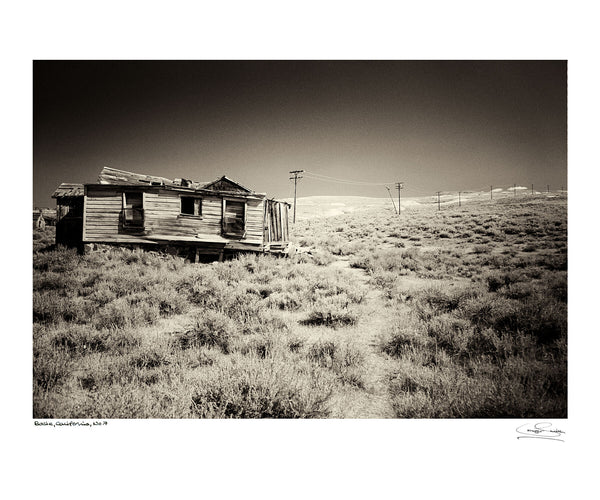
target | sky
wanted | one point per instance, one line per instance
(433, 125)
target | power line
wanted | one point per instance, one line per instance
(412, 189)
(328, 178)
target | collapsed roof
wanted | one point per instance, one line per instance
(113, 176)
(110, 175)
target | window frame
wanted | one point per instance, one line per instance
(197, 207)
(244, 202)
(133, 225)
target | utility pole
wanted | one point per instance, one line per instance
(548, 188)
(390, 193)
(532, 190)
(399, 186)
(459, 198)
(491, 193)
(438, 193)
(295, 178)
(514, 189)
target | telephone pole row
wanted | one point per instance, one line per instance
(295, 178)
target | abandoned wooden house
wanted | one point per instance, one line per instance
(197, 218)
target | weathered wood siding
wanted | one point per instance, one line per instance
(162, 217)
(102, 212)
(254, 221)
(276, 224)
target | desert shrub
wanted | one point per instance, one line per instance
(402, 340)
(81, 339)
(321, 258)
(449, 333)
(553, 263)
(481, 249)
(558, 287)
(537, 315)
(482, 311)
(295, 343)
(332, 319)
(203, 291)
(60, 260)
(264, 321)
(362, 261)
(50, 368)
(212, 329)
(123, 341)
(526, 388)
(433, 301)
(344, 359)
(322, 353)
(230, 273)
(483, 343)
(168, 301)
(518, 291)
(286, 301)
(149, 358)
(494, 283)
(252, 388)
(384, 280)
(200, 358)
(240, 306)
(102, 295)
(261, 345)
(49, 308)
(43, 240)
(51, 281)
(395, 260)
(125, 312)
(422, 392)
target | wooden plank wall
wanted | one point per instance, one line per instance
(102, 215)
(162, 217)
(254, 221)
(276, 223)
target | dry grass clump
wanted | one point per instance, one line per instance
(345, 359)
(212, 329)
(244, 387)
(329, 319)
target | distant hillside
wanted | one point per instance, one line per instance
(309, 207)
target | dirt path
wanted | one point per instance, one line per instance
(373, 400)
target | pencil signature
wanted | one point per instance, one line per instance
(541, 430)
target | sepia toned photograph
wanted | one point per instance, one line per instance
(300, 239)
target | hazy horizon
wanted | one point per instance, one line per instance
(434, 125)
